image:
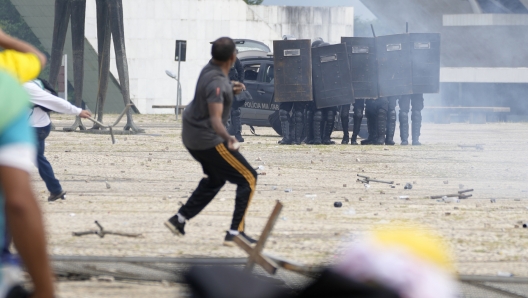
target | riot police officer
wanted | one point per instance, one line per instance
(416, 101)
(297, 110)
(236, 73)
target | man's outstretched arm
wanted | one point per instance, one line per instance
(24, 221)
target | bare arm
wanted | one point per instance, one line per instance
(215, 112)
(24, 221)
(10, 43)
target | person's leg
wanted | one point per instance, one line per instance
(236, 124)
(359, 108)
(44, 167)
(345, 119)
(235, 168)
(391, 121)
(382, 111)
(284, 111)
(371, 113)
(329, 114)
(317, 119)
(417, 103)
(207, 189)
(405, 104)
(308, 124)
(298, 110)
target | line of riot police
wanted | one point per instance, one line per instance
(372, 75)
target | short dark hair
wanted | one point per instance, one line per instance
(223, 48)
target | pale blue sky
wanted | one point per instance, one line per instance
(360, 9)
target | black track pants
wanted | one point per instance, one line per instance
(221, 165)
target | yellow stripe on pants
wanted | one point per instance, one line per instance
(237, 165)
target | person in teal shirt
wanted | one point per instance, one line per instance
(20, 215)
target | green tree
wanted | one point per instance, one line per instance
(254, 2)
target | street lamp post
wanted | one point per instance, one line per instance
(178, 96)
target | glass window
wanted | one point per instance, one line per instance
(269, 74)
(251, 72)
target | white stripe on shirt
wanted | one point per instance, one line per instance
(19, 156)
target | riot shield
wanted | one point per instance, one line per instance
(293, 70)
(394, 65)
(331, 76)
(363, 66)
(425, 53)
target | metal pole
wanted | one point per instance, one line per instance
(66, 77)
(178, 94)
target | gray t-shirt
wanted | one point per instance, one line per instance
(213, 86)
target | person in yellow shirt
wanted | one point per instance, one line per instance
(20, 59)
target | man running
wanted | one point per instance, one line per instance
(205, 137)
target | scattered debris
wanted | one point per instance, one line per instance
(517, 200)
(107, 185)
(309, 209)
(367, 180)
(446, 181)
(344, 185)
(258, 159)
(405, 198)
(479, 147)
(346, 200)
(338, 204)
(448, 213)
(357, 159)
(392, 186)
(260, 167)
(450, 199)
(493, 200)
(367, 186)
(525, 226)
(311, 196)
(461, 195)
(274, 187)
(102, 232)
(288, 190)
(408, 186)
(414, 182)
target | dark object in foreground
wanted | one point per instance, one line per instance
(227, 282)
(408, 186)
(102, 232)
(338, 204)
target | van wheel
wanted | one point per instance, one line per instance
(275, 123)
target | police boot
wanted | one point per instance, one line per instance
(371, 127)
(298, 127)
(318, 117)
(285, 127)
(404, 128)
(308, 127)
(236, 123)
(391, 128)
(416, 119)
(382, 127)
(356, 129)
(329, 128)
(344, 123)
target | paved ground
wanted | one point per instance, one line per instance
(150, 174)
